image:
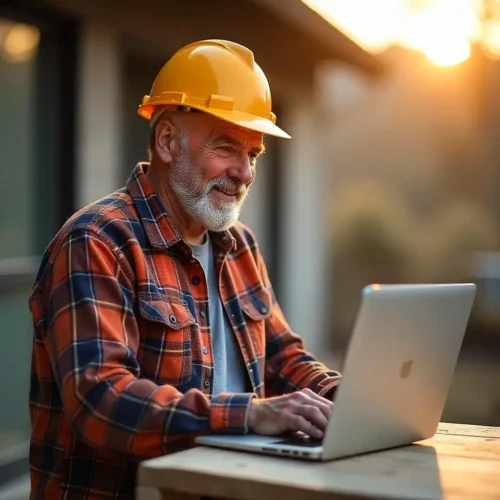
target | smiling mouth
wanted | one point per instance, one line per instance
(228, 194)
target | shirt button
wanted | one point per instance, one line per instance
(263, 310)
(206, 383)
(172, 319)
(205, 351)
(202, 314)
(196, 280)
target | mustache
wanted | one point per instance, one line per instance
(227, 185)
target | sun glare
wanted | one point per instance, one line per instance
(443, 30)
(448, 52)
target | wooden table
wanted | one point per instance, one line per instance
(461, 461)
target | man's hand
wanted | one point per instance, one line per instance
(302, 411)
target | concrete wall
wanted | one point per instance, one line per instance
(303, 239)
(255, 212)
(99, 127)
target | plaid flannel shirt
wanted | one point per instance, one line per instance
(122, 366)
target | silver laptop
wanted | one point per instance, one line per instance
(397, 374)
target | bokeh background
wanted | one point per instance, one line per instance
(392, 175)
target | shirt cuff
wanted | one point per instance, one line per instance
(329, 390)
(229, 413)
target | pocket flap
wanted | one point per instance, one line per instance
(257, 304)
(176, 315)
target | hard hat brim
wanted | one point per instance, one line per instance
(248, 121)
(238, 118)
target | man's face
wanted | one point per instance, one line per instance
(213, 170)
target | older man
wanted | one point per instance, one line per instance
(155, 320)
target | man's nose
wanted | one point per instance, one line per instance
(243, 170)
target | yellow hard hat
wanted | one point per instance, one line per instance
(220, 78)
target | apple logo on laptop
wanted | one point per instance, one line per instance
(406, 369)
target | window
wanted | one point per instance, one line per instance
(36, 194)
(139, 73)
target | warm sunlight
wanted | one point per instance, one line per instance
(447, 52)
(441, 29)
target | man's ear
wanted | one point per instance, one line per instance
(165, 140)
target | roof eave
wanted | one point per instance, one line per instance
(315, 26)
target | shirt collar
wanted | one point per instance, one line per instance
(160, 232)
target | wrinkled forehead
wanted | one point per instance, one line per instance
(237, 136)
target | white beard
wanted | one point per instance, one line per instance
(186, 181)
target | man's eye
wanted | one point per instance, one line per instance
(253, 158)
(226, 149)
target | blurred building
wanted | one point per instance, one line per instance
(72, 74)
(413, 181)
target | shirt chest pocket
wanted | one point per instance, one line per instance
(256, 306)
(165, 350)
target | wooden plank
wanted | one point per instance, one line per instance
(454, 464)
(469, 430)
(402, 473)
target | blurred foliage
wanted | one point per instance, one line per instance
(377, 239)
